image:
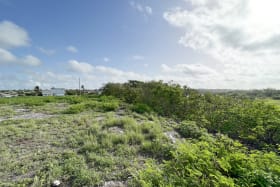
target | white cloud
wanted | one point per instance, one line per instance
(45, 80)
(137, 57)
(106, 59)
(106, 74)
(95, 78)
(30, 60)
(80, 67)
(72, 49)
(147, 10)
(6, 57)
(12, 35)
(111, 74)
(116, 73)
(189, 69)
(48, 52)
(241, 36)
(191, 74)
(194, 75)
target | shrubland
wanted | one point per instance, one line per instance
(140, 134)
(255, 123)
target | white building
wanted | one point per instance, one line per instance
(46, 93)
(54, 92)
(58, 91)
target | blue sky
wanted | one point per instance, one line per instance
(202, 43)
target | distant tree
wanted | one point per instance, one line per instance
(83, 88)
(37, 91)
(72, 92)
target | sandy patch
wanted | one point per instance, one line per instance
(172, 135)
(116, 130)
(114, 184)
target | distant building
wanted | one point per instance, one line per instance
(54, 92)
(8, 95)
(46, 92)
(58, 91)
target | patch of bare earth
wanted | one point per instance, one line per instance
(116, 130)
(114, 184)
(32, 115)
(25, 113)
(173, 136)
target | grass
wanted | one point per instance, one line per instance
(6, 111)
(83, 142)
(273, 101)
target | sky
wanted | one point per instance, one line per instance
(229, 44)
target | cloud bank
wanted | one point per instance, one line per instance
(243, 38)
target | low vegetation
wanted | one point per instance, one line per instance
(139, 134)
(255, 123)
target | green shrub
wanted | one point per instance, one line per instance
(75, 170)
(109, 106)
(135, 138)
(119, 139)
(100, 161)
(276, 97)
(88, 146)
(73, 99)
(220, 162)
(75, 109)
(91, 105)
(125, 123)
(151, 130)
(156, 149)
(105, 141)
(49, 99)
(189, 129)
(141, 108)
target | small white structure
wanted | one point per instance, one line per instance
(58, 91)
(46, 92)
(54, 92)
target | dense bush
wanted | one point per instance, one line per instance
(157, 149)
(213, 162)
(252, 122)
(189, 129)
(80, 105)
(74, 109)
(141, 108)
(162, 98)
